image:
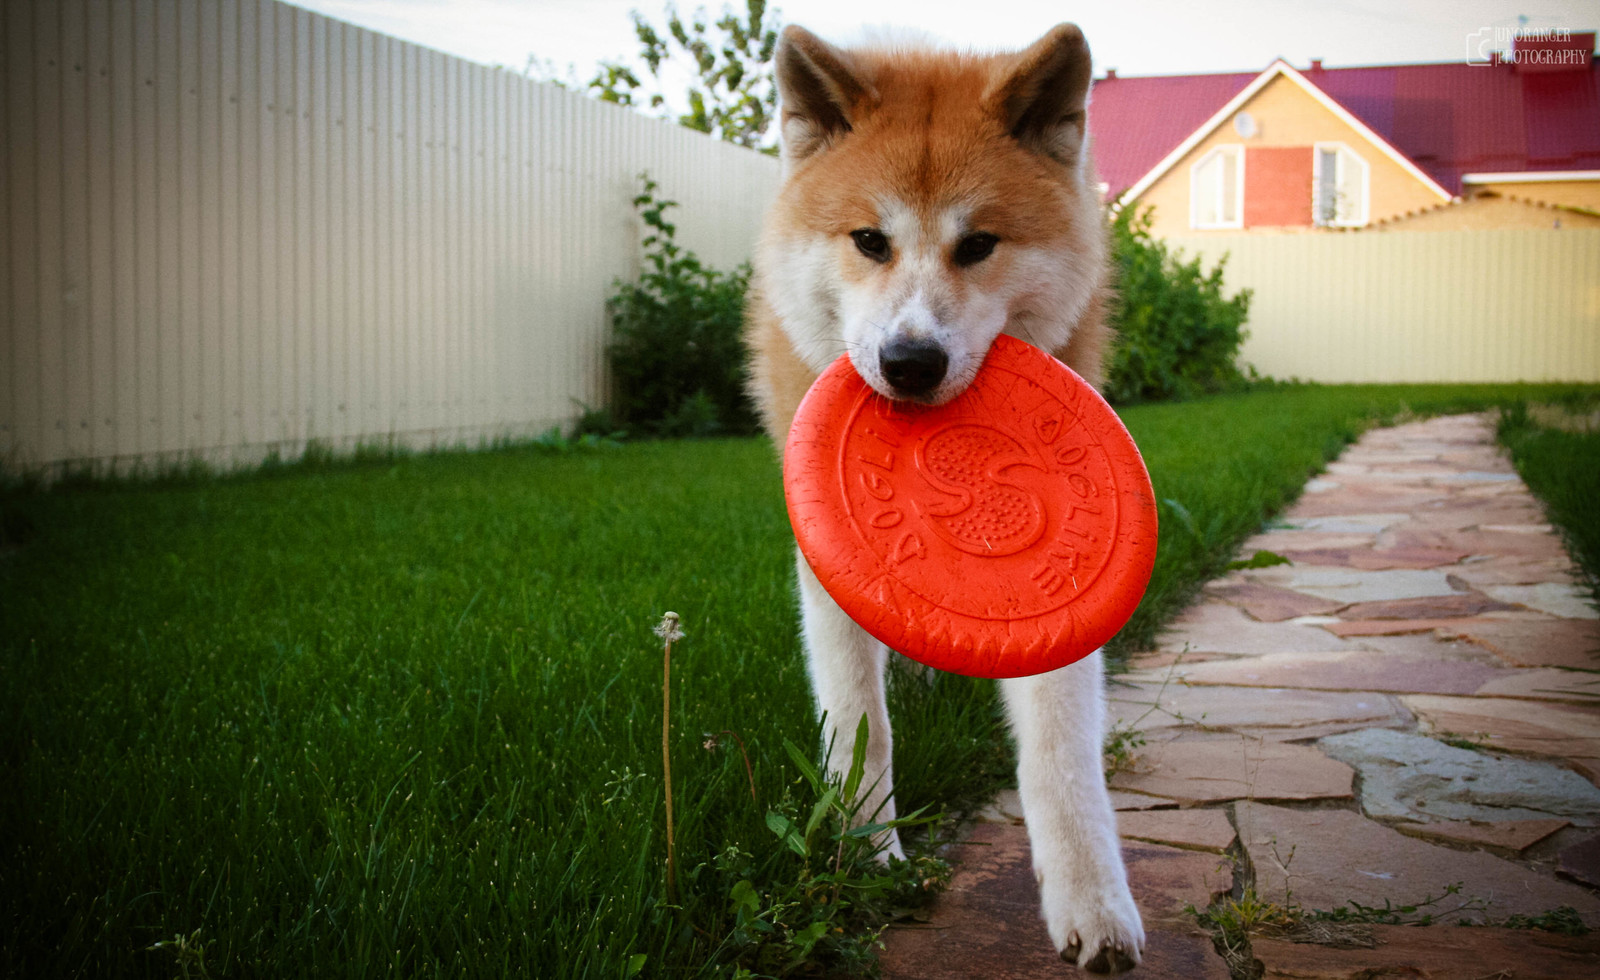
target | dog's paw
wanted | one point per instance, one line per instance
(1099, 933)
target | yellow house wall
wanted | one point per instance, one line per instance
(1572, 193)
(1491, 212)
(1286, 116)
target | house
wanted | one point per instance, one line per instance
(1508, 142)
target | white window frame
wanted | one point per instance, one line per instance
(1236, 150)
(1344, 154)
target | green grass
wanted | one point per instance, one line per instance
(402, 718)
(1560, 462)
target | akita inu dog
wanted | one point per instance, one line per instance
(930, 202)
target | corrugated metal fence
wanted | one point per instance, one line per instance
(1516, 305)
(234, 225)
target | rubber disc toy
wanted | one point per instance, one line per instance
(1008, 532)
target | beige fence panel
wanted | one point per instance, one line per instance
(1443, 306)
(234, 225)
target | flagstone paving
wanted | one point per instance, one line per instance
(1409, 706)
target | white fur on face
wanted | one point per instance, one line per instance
(801, 282)
(915, 297)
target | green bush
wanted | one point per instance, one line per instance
(1177, 335)
(677, 357)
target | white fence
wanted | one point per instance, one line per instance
(1424, 306)
(234, 225)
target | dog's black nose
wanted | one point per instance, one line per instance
(913, 367)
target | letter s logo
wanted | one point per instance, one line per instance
(991, 515)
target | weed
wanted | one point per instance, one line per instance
(1473, 743)
(669, 632)
(1261, 559)
(1121, 745)
(1563, 919)
(834, 909)
(190, 953)
(1423, 912)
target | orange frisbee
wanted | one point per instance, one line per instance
(1008, 532)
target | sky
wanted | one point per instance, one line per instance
(1139, 37)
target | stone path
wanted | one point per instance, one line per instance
(1411, 704)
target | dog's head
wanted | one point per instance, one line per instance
(932, 200)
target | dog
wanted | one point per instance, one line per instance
(932, 200)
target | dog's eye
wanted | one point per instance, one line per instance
(975, 248)
(872, 243)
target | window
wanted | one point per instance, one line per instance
(1338, 187)
(1216, 189)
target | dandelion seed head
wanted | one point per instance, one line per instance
(668, 629)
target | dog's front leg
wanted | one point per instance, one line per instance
(1058, 719)
(846, 666)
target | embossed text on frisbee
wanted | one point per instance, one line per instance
(1011, 490)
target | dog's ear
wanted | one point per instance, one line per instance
(820, 88)
(1042, 95)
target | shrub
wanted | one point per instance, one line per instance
(677, 356)
(1177, 334)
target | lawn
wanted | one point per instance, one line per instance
(404, 717)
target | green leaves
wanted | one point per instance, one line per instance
(825, 913)
(677, 351)
(731, 95)
(1261, 559)
(1177, 335)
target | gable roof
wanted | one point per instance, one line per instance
(1446, 120)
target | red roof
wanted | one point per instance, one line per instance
(1448, 119)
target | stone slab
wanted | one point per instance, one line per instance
(1217, 627)
(1515, 836)
(1512, 725)
(1221, 769)
(1351, 585)
(1544, 684)
(1587, 768)
(1427, 607)
(1456, 514)
(1531, 643)
(1408, 776)
(1270, 604)
(1393, 627)
(987, 923)
(1324, 859)
(1581, 862)
(1477, 541)
(1150, 706)
(1192, 830)
(1377, 559)
(1124, 800)
(1292, 540)
(1511, 571)
(1437, 953)
(1357, 670)
(1006, 807)
(1347, 523)
(1333, 499)
(1555, 598)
